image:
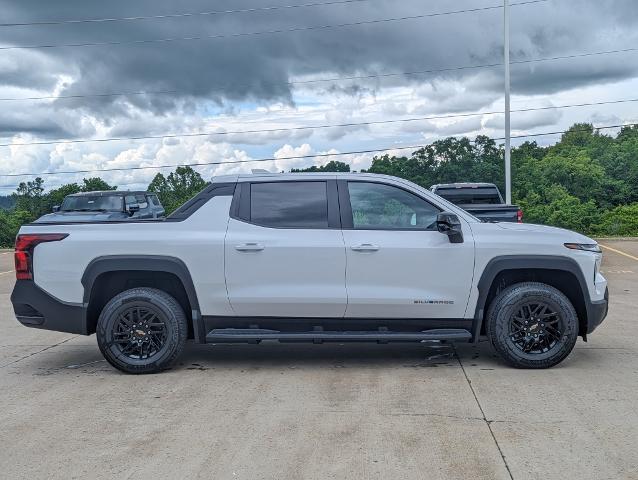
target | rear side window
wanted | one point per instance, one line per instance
(289, 204)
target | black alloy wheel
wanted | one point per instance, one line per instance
(140, 332)
(536, 328)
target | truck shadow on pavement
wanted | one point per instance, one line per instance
(229, 357)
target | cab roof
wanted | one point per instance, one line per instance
(265, 176)
(106, 193)
(464, 185)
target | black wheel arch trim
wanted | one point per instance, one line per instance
(148, 263)
(523, 262)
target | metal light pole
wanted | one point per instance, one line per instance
(508, 158)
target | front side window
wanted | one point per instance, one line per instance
(289, 204)
(376, 206)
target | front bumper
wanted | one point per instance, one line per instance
(35, 308)
(597, 311)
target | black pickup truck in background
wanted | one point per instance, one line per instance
(483, 200)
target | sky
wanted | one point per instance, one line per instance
(227, 70)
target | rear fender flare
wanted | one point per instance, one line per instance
(151, 263)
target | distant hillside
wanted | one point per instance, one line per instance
(6, 202)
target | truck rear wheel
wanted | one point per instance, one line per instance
(532, 325)
(142, 330)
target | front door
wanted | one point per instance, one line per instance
(284, 251)
(398, 264)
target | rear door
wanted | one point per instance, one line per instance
(284, 250)
(399, 265)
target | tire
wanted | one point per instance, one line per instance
(551, 330)
(142, 330)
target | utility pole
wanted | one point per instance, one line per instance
(508, 147)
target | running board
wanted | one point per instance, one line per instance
(236, 335)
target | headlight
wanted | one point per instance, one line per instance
(587, 247)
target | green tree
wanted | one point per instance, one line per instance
(178, 187)
(95, 184)
(555, 206)
(331, 166)
(29, 197)
(10, 223)
(622, 220)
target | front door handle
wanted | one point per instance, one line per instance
(249, 247)
(365, 247)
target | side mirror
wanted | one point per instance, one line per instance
(133, 208)
(449, 224)
(56, 208)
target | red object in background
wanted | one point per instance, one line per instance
(23, 255)
(519, 216)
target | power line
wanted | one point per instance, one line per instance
(295, 157)
(266, 32)
(337, 79)
(178, 15)
(315, 127)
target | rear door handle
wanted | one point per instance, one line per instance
(365, 247)
(249, 247)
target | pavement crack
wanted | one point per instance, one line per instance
(439, 415)
(487, 422)
(39, 351)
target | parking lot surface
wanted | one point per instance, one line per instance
(353, 411)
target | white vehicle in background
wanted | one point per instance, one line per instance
(310, 257)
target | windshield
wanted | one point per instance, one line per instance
(90, 203)
(471, 196)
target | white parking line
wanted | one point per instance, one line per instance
(4, 273)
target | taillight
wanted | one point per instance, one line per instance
(519, 216)
(24, 251)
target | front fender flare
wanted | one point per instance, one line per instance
(523, 262)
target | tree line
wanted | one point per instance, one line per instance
(586, 182)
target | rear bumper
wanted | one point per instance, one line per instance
(35, 308)
(596, 312)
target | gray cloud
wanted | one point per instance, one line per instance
(525, 120)
(257, 68)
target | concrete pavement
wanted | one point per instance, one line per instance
(323, 411)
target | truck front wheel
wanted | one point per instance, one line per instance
(142, 330)
(532, 325)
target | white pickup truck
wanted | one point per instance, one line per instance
(310, 257)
